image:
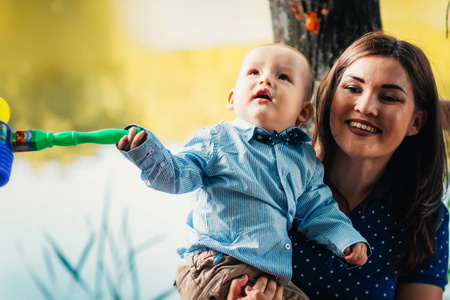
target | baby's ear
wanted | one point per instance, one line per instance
(306, 113)
(230, 100)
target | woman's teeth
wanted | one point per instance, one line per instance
(362, 126)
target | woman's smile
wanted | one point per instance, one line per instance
(361, 125)
(373, 108)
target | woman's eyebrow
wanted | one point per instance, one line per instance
(385, 86)
(394, 86)
(356, 78)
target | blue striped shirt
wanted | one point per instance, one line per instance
(247, 195)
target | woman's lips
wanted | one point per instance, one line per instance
(361, 127)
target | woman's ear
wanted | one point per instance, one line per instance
(419, 119)
(230, 100)
(306, 113)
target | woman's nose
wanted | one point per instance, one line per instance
(367, 104)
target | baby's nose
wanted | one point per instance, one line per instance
(266, 81)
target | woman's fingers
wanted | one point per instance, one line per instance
(279, 293)
(261, 283)
(271, 287)
(235, 290)
(266, 288)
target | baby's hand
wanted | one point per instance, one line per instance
(356, 254)
(132, 140)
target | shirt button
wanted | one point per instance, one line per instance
(287, 246)
(162, 164)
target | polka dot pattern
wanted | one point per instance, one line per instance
(324, 276)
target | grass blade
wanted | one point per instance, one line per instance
(109, 282)
(65, 262)
(101, 246)
(49, 265)
(86, 252)
(165, 294)
(130, 256)
(40, 285)
(50, 270)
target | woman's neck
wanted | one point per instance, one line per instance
(354, 178)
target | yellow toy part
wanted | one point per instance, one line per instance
(4, 111)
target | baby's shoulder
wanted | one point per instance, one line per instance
(215, 131)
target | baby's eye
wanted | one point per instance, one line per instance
(284, 77)
(253, 72)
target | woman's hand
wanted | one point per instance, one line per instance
(264, 289)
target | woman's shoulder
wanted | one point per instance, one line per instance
(444, 210)
(442, 225)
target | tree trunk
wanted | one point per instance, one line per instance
(340, 23)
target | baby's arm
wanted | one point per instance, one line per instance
(132, 140)
(356, 254)
(178, 173)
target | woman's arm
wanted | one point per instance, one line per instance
(418, 291)
(264, 289)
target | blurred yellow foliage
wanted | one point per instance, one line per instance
(67, 65)
(71, 65)
(423, 24)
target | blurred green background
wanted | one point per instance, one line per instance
(77, 65)
(167, 65)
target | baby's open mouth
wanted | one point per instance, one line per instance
(263, 95)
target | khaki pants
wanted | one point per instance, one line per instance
(198, 278)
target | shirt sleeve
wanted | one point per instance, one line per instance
(174, 173)
(435, 272)
(320, 219)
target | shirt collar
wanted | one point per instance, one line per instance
(248, 129)
(381, 192)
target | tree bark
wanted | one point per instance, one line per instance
(340, 23)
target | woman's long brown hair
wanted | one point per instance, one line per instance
(417, 167)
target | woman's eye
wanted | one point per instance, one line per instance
(388, 98)
(352, 89)
(284, 77)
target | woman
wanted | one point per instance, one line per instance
(379, 135)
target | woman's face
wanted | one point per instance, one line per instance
(373, 109)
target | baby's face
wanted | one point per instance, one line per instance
(272, 88)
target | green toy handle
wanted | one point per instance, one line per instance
(35, 140)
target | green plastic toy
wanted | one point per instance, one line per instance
(35, 140)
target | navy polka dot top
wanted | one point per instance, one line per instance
(322, 275)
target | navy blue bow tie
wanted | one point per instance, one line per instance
(291, 137)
